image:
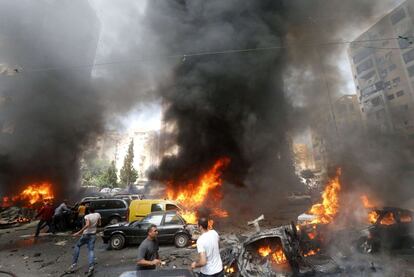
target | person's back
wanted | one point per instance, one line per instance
(93, 219)
(208, 242)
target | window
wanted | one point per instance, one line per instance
(156, 207)
(390, 97)
(99, 205)
(388, 219)
(171, 207)
(153, 219)
(367, 76)
(366, 65)
(397, 16)
(115, 205)
(172, 219)
(400, 93)
(404, 43)
(411, 71)
(405, 216)
(376, 101)
(395, 82)
(409, 56)
(365, 52)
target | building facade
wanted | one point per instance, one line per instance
(382, 61)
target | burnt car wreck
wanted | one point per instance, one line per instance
(390, 228)
(274, 252)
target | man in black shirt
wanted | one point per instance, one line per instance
(148, 257)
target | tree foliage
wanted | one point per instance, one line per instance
(128, 174)
(99, 173)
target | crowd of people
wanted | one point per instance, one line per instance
(87, 220)
(60, 218)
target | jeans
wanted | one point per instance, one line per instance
(88, 239)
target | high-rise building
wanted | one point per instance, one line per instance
(382, 60)
(348, 118)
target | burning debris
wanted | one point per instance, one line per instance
(273, 252)
(33, 194)
(205, 193)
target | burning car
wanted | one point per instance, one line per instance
(274, 252)
(390, 228)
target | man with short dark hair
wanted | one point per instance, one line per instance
(148, 257)
(46, 216)
(92, 220)
(209, 252)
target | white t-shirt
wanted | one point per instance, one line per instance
(93, 222)
(209, 243)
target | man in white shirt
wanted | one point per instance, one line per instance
(92, 220)
(209, 262)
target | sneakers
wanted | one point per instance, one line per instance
(71, 269)
(90, 271)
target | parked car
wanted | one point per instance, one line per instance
(105, 190)
(390, 228)
(112, 210)
(172, 228)
(138, 209)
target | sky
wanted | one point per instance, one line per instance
(148, 116)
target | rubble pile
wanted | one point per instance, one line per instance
(14, 216)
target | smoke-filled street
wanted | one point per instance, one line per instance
(225, 138)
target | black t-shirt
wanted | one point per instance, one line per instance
(147, 250)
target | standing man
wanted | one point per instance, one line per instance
(209, 252)
(58, 217)
(92, 220)
(148, 257)
(46, 216)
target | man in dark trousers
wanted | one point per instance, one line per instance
(209, 261)
(148, 257)
(46, 216)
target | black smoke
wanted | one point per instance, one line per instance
(50, 113)
(226, 105)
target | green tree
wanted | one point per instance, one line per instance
(111, 177)
(128, 174)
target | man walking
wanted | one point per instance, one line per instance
(148, 257)
(209, 261)
(46, 216)
(92, 220)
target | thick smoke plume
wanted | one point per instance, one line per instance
(229, 105)
(49, 112)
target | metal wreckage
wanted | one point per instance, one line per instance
(274, 252)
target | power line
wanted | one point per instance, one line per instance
(221, 52)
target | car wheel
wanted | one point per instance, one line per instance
(181, 240)
(117, 241)
(114, 220)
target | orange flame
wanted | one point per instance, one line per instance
(406, 218)
(388, 219)
(311, 252)
(373, 217)
(193, 196)
(277, 255)
(32, 194)
(326, 211)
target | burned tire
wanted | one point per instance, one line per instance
(117, 242)
(181, 240)
(114, 220)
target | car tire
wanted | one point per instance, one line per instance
(114, 220)
(117, 242)
(181, 240)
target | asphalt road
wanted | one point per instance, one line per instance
(50, 255)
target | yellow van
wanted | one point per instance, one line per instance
(138, 209)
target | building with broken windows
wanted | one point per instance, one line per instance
(382, 60)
